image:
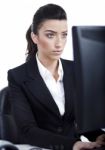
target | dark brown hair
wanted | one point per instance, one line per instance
(46, 12)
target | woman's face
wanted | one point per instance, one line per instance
(51, 39)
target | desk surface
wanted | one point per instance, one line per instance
(101, 148)
(4, 143)
(28, 147)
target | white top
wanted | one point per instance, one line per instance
(55, 87)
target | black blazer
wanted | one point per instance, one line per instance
(35, 110)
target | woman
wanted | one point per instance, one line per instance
(42, 89)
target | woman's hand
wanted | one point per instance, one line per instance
(85, 145)
(101, 139)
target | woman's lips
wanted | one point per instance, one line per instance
(57, 52)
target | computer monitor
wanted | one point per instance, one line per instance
(89, 64)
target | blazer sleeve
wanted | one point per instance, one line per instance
(27, 125)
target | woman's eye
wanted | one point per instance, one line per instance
(50, 35)
(64, 35)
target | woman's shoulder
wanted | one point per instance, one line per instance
(68, 66)
(18, 72)
(67, 62)
(18, 69)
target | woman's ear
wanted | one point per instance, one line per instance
(34, 38)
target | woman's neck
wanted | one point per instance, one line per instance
(51, 65)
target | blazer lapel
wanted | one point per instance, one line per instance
(68, 87)
(38, 88)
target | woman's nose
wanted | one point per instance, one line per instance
(58, 42)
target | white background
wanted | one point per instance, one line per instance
(16, 16)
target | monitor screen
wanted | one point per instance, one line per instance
(89, 64)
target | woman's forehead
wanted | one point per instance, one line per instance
(54, 25)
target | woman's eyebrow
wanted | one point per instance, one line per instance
(50, 31)
(65, 31)
(55, 31)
